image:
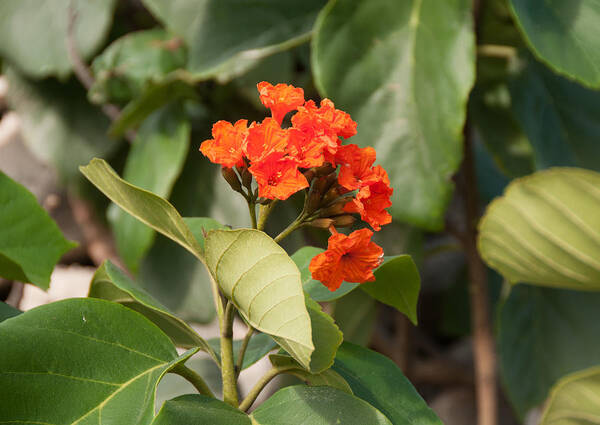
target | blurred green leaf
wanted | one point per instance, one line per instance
(259, 346)
(316, 406)
(564, 35)
(574, 400)
(154, 163)
(543, 335)
(327, 377)
(7, 311)
(326, 337)
(125, 67)
(59, 125)
(33, 34)
(545, 230)
(404, 71)
(355, 314)
(199, 410)
(377, 380)
(30, 241)
(397, 284)
(560, 118)
(257, 275)
(111, 284)
(226, 37)
(73, 333)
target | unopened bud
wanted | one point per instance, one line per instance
(344, 220)
(332, 194)
(246, 178)
(322, 223)
(335, 209)
(263, 201)
(310, 174)
(231, 177)
(323, 170)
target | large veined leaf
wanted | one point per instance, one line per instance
(154, 162)
(560, 117)
(110, 283)
(7, 311)
(82, 361)
(132, 61)
(263, 282)
(564, 35)
(574, 400)
(30, 242)
(199, 410)
(545, 230)
(543, 335)
(59, 125)
(258, 347)
(299, 405)
(403, 70)
(147, 207)
(377, 380)
(222, 34)
(41, 51)
(326, 337)
(356, 315)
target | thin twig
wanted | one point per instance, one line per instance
(83, 73)
(260, 385)
(194, 378)
(242, 352)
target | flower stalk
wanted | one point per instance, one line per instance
(230, 394)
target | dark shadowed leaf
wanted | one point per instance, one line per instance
(7, 311)
(355, 314)
(199, 410)
(259, 346)
(327, 377)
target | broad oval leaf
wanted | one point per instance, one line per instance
(153, 163)
(543, 335)
(82, 361)
(41, 51)
(111, 284)
(545, 230)
(415, 64)
(564, 35)
(7, 311)
(259, 346)
(574, 400)
(30, 242)
(199, 410)
(326, 337)
(263, 282)
(299, 405)
(250, 31)
(356, 315)
(377, 380)
(147, 207)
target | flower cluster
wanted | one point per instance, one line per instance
(306, 155)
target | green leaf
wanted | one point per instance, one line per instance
(132, 61)
(415, 64)
(30, 242)
(176, 85)
(355, 314)
(545, 230)
(316, 406)
(173, 385)
(129, 355)
(574, 400)
(199, 410)
(327, 377)
(264, 284)
(150, 209)
(397, 284)
(564, 35)
(258, 347)
(326, 337)
(544, 334)
(560, 118)
(110, 283)
(249, 31)
(59, 125)
(7, 311)
(314, 288)
(377, 380)
(27, 41)
(154, 162)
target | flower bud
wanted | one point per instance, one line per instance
(332, 194)
(231, 177)
(246, 178)
(322, 223)
(335, 209)
(344, 220)
(323, 170)
(263, 201)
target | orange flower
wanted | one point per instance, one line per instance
(280, 99)
(308, 151)
(264, 139)
(340, 121)
(355, 170)
(278, 176)
(347, 258)
(228, 143)
(372, 200)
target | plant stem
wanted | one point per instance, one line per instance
(252, 211)
(263, 213)
(242, 353)
(260, 385)
(496, 51)
(230, 395)
(296, 224)
(195, 379)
